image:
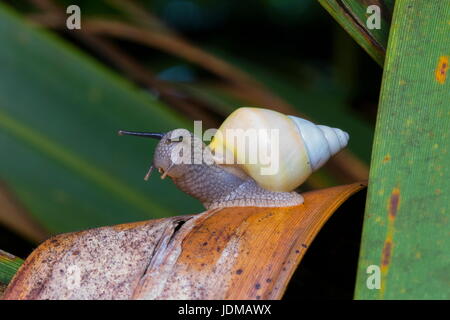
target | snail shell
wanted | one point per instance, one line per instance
(299, 146)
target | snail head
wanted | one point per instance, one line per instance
(175, 153)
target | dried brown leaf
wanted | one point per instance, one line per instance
(231, 253)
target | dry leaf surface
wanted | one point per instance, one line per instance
(231, 253)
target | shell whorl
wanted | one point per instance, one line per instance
(321, 141)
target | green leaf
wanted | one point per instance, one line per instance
(61, 156)
(352, 16)
(9, 265)
(406, 227)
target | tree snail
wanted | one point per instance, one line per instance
(256, 158)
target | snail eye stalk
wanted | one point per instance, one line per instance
(149, 172)
(154, 135)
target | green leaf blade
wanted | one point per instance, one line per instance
(9, 265)
(352, 16)
(406, 221)
(59, 116)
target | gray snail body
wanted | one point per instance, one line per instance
(201, 171)
(212, 184)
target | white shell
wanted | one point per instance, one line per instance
(321, 142)
(304, 146)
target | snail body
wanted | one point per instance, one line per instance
(212, 184)
(220, 175)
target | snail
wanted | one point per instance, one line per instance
(257, 157)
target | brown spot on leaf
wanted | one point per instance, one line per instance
(441, 69)
(238, 271)
(386, 256)
(394, 202)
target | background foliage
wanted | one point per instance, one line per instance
(157, 65)
(65, 93)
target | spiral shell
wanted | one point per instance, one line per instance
(296, 147)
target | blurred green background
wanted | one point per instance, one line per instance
(155, 66)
